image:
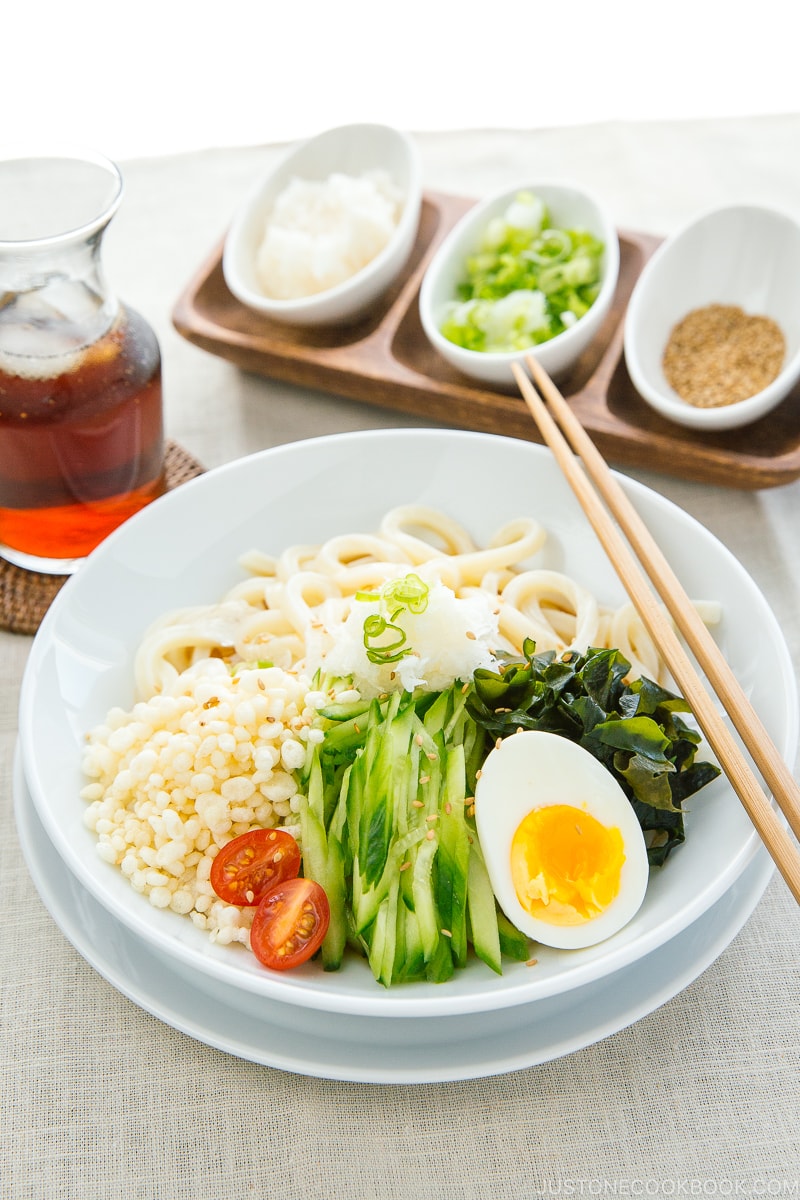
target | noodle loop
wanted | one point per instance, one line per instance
(290, 608)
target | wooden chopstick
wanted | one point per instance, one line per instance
(769, 827)
(745, 719)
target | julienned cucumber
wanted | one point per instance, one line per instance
(388, 833)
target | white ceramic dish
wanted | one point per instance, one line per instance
(183, 550)
(569, 207)
(351, 150)
(368, 1050)
(741, 255)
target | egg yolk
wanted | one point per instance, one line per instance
(565, 865)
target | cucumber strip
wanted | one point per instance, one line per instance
(513, 944)
(453, 857)
(338, 822)
(315, 792)
(482, 911)
(386, 746)
(439, 967)
(386, 969)
(375, 937)
(345, 712)
(322, 861)
(454, 729)
(409, 957)
(436, 716)
(382, 936)
(424, 901)
(348, 736)
(354, 805)
(335, 939)
(367, 900)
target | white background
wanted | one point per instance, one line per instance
(150, 77)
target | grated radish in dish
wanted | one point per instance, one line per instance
(322, 232)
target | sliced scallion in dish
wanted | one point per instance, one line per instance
(527, 282)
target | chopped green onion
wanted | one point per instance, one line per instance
(408, 594)
(526, 283)
(552, 245)
(375, 626)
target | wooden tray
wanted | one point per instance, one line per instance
(387, 361)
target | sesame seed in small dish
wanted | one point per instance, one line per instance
(712, 333)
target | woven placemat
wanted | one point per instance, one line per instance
(25, 596)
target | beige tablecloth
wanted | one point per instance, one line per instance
(701, 1097)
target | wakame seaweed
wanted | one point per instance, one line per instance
(634, 728)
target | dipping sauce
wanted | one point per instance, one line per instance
(81, 440)
(719, 355)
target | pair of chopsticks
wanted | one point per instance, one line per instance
(591, 473)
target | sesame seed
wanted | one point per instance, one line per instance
(719, 355)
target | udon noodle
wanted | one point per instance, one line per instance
(290, 608)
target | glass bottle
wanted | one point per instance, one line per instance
(81, 421)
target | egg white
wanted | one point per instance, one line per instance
(530, 770)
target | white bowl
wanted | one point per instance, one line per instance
(741, 255)
(183, 550)
(351, 150)
(569, 208)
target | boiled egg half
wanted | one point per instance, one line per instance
(565, 853)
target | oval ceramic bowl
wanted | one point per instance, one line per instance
(183, 550)
(351, 150)
(741, 255)
(569, 207)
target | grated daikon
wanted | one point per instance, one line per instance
(449, 640)
(320, 233)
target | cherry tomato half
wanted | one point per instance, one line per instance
(290, 923)
(249, 865)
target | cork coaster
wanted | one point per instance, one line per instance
(25, 596)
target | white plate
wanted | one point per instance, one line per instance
(183, 550)
(432, 1050)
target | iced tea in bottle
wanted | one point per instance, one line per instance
(81, 429)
